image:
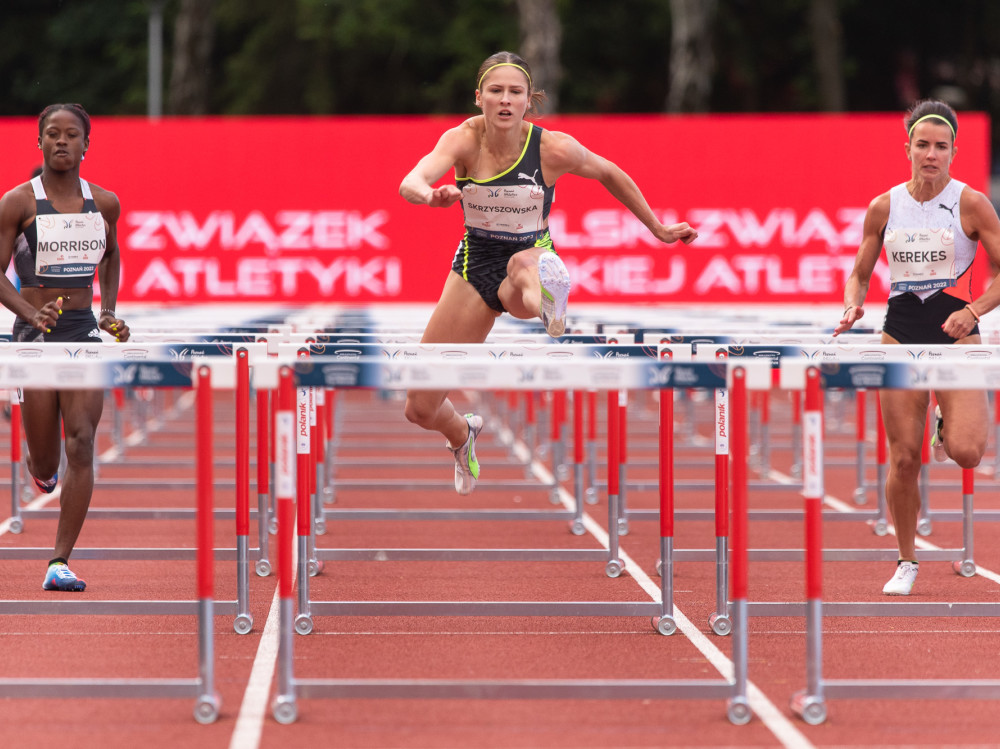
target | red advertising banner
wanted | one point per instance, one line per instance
(307, 210)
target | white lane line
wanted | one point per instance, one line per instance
(250, 721)
(770, 715)
(253, 709)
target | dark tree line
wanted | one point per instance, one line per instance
(417, 57)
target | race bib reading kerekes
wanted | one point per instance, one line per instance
(920, 259)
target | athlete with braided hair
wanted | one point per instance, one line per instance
(505, 169)
(60, 230)
(930, 227)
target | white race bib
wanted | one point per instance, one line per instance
(69, 244)
(920, 259)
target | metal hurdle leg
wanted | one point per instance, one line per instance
(557, 439)
(332, 432)
(303, 447)
(665, 623)
(284, 707)
(720, 621)
(207, 706)
(796, 469)
(263, 565)
(615, 565)
(244, 619)
(810, 705)
(861, 490)
(16, 521)
(623, 462)
(591, 491)
(319, 520)
(576, 525)
(764, 454)
(755, 427)
(738, 705)
(967, 567)
(881, 525)
(924, 523)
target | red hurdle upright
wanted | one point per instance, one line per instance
(284, 707)
(16, 521)
(207, 706)
(244, 619)
(264, 422)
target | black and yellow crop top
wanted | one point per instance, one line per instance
(514, 205)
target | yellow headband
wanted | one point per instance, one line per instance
(927, 117)
(501, 64)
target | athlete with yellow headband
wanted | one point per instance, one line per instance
(930, 227)
(505, 174)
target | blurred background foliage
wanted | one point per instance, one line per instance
(233, 57)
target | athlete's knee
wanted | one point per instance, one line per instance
(519, 263)
(966, 454)
(43, 465)
(905, 465)
(419, 410)
(80, 447)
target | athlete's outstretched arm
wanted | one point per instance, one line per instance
(872, 238)
(563, 154)
(418, 186)
(982, 224)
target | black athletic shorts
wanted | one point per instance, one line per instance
(909, 320)
(74, 326)
(483, 263)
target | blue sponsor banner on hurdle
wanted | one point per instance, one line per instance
(150, 373)
(530, 374)
(338, 373)
(196, 349)
(495, 351)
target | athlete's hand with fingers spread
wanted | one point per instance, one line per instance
(46, 318)
(851, 315)
(444, 196)
(683, 231)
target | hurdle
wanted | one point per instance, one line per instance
(775, 355)
(126, 362)
(485, 355)
(810, 703)
(609, 375)
(153, 373)
(312, 557)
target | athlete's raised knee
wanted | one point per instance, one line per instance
(967, 455)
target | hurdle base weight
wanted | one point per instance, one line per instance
(810, 708)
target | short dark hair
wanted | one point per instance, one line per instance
(76, 109)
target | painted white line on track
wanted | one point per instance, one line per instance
(253, 709)
(776, 722)
(249, 723)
